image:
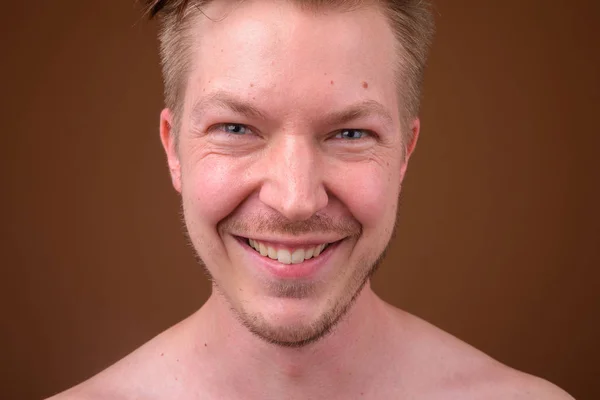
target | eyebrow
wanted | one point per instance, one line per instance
(226, 101)
(359, 110)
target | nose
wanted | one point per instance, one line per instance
(294, 180)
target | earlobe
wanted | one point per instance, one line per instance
(167, 137)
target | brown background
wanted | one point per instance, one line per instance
(499, 219)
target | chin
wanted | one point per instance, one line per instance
(294, 322)
(288, 330)
(294, 312)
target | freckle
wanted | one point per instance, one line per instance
(332, 82)
(252, 85)
(253, 98)
(178, 360)
(365, 85)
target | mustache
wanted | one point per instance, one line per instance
(278, 224)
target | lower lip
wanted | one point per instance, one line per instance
(306, 269)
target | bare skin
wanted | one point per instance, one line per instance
(291, 136)
(377, 352)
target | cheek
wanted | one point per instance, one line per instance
(370, 192)
(213, 188)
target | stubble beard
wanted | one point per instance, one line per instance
(297, 336)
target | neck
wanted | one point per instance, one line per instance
(331, 362)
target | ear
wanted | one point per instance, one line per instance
(409, 146)
(167, 137)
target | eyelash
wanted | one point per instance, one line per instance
(364, 131)
(221, 127)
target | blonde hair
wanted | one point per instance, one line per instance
(411, 21)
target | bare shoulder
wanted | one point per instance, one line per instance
(459, 371)
(148, 372)
(504, 383)
(526, 387)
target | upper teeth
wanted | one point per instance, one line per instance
(285, 256)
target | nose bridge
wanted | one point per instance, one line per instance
(294, 186)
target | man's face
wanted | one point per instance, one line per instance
(290, 140)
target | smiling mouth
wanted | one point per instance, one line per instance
(287, 256)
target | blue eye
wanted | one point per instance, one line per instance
(351, 134)
(235, 129)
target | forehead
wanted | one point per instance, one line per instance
(273, 51)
